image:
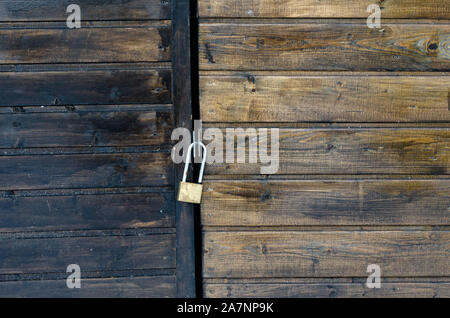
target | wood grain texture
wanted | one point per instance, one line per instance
(86, 211)
(85, 45)
(330, 98)
(72, 128)
(85, 170)
(325, 253)
(122, 287)
(290, 203)
(322, 9)
(182, 99)
(352, 151)
(55, 10)
(327, 290)
(319, 46)
(85, 87)
(99, 253)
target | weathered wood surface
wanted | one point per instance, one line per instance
(85, 87)
(78, 210)
(322, 9)
(325, 290)
(316, 202)
(98, 253)
(85, 170)
(325, 253)
(55, 10)
(85, 45)
(353, 151)
(182, 99)
(123, 287)
(330, 98)
(74, 128)
(319, 46)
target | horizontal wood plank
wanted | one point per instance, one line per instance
(325, 253)
(321, 47)
(325, 290)
(86, 212)
(101, 253)
(72, 128)
(122, 287)
(85, 45)
(55, 10)
(323, 9)
(346, 151)
(291, 203)
(272, 98)
(85, 87)
(85, 171)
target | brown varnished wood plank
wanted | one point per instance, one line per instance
(320, 46)
(316, 202)
(325, 290)
(74, 128)
(324, 98)
(352, 151)
(90, 253)
(325, 253)
(85, 45)
(322, 9)
(55, 10)
(85, 87)
(85, 170)
(86, 211)
(114, 287)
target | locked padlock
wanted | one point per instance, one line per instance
(192, 192)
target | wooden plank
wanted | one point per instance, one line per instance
(122, 287)
(330, 98)
(182, 96)
(73, 128)
(85, 87)
(325, 253)
(86, 212)
(85, 170)
(325, 290)
(319, 47)
(100, 253)
(85, 45)
(316, 202)
(403, 9)
(351, 151)
(55, 10)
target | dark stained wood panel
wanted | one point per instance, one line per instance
(320, 46)
(55, 10)
(85, 87)
(325, 253)
(115, 287)
(73, 128)
(323, 9)
(317, 202)
(352, 151)
(90, 253)
(325, 290)
(330, 98)
(80, 211)
(85, 170)
(85, 45)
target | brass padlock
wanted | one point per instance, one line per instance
(192, 192)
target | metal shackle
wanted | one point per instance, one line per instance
(188, 161)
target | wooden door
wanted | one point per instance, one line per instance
(364, 148)
(85, 171)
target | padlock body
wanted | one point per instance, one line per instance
(190, 192)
